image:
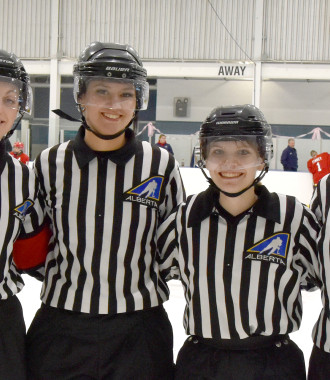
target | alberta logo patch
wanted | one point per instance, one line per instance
(22, 210)
(147, 192)
(273, 249)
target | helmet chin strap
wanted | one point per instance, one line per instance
(232, 195)
(100, 135)
(14, 127)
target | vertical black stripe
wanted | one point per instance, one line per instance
(52, 171)
(132, 231)
(141, 264)
(196, 231)
(115, 241)
(11, 223)
(262, 291)
(211, 273)
(326, 199)
(277, 304)
(249, 240)
(67, 189)
(227, 276)
(324, 239)
(99, 230)
(185, 252)
(277, 309)
(81, 229)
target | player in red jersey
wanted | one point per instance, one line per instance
(18, 152)
(319, 165)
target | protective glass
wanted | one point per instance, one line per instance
(15, 94)
(231, 153)
(112, 93)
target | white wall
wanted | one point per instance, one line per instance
(298, 102)
(204, 95)
(282, 102)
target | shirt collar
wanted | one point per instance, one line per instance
(84, 154)
(3, 155)
(267, 205)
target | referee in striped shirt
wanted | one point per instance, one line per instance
(241, 253)
(106, 192)
(20, 212)
(319, 364)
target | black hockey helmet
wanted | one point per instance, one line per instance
(239, 122)
(112, 61)
(12, 71)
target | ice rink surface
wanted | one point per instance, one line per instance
(297, 184)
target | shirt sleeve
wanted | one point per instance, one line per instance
(35, 215)
(321, 204)
(32, 242)
(168, 247)
(174, 191)
(308, 254)
(321, 331)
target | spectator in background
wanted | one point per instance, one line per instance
(318, 165)
(17, 152)
(163, 144)
(289, 158)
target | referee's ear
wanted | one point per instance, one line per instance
(261, 167)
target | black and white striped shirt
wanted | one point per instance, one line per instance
(20, 211)
(241, 275)
(320, 204)
(105, 209)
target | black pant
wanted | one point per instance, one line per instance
(12, 340)
(319, 365)
(282, 360)
(65, 345)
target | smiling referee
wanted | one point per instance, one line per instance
(106, 192)
(21, 212)
(241, 253)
